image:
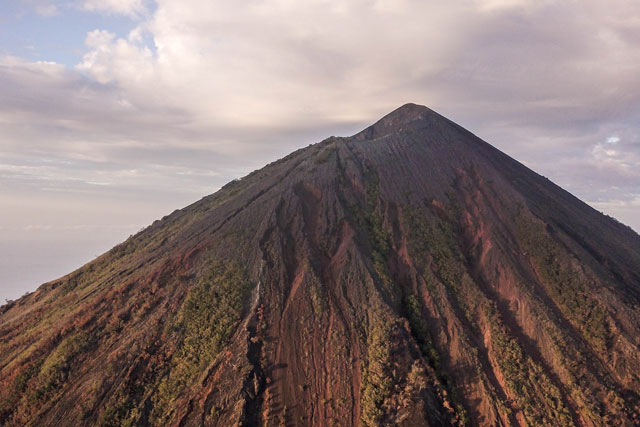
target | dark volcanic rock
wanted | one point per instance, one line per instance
(409, 275)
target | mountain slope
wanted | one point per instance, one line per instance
(408, 275)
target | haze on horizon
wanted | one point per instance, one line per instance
(114, 113)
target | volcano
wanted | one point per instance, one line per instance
(408, 275)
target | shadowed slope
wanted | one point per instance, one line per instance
(408, 275)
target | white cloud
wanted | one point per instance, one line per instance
(613, 140)
(616, 203)
(119, 59)
(618, 156)
(203, 86)
(264, 63)
(496, 5)
(273, 59)
(47, 10)
(122, 7)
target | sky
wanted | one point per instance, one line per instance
(114, 113)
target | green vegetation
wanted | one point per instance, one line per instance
(370, 219)
(373, 220)
(318, 295)
(121, 410)
(376, 382)
(567, 287)
(530, 386)
(9, 400)
(420, 331)
(425, 241)
(324, 153)
(376, 378)
(54, 370)
(525, 378)
(205, 323)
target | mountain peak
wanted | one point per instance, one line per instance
(407, 112)
(395, 121)
(412, 276)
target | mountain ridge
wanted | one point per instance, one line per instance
(410, 274)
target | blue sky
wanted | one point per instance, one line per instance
(114, 113)
(59, 37)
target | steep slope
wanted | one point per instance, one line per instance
(408, 275)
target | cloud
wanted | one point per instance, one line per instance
(201, 86)
(122, 7)
(47, 8)
(119, 59)
(619, 155)
(79, 227)
(272, 60)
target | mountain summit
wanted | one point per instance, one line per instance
(408, 275)
(394, 121)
